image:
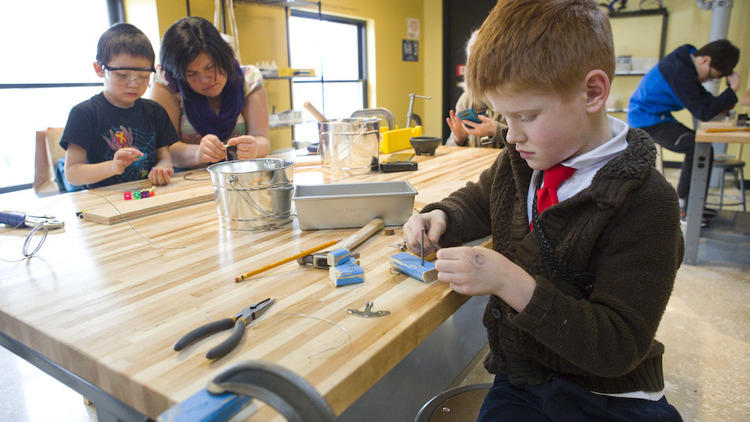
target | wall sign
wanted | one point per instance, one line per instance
(410, 50)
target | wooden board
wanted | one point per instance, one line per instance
(112, 208)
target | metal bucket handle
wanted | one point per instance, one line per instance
(233, 180)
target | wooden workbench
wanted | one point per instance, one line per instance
(106, 302)
(699, 179)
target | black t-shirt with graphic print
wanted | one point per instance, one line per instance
(102, 128)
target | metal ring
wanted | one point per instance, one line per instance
(28, 240)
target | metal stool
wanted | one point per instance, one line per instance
(457, 404)
(736, 167)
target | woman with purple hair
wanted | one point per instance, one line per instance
(212, 101)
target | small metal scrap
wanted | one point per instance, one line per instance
(400, 245)
(368, 312)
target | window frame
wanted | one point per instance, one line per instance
(362, 56)
(116, 12)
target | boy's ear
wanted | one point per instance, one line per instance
(596, 84)
(98, 69)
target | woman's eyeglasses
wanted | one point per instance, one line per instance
(124, 75)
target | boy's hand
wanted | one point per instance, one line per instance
(476, 271)
(247, 146)
(457, 128)
(434, 224)
(211, 149)
(488, 127)
(124, 157)
(733, 81)
(161, 173)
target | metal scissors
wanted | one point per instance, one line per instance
(239, 321)
(16, 219)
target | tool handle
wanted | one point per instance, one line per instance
(314, 111)
(361, 235)
(227, 345)
(203, 331)
(13, 219)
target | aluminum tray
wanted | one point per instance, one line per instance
(345, 205)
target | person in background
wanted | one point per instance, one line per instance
(212, 101)
(675, 83)
(469, 133)
(586, 238)
(117, 136)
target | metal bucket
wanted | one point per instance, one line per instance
(349, 145)
(253, 194)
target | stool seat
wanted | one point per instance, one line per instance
(737, 168)
(454, 405)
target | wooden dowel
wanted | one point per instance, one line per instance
(285, 260)
(314, 111)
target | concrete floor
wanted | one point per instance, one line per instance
(706, 331)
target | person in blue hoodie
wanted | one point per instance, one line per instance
(675, 83)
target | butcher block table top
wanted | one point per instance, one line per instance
(107, 302)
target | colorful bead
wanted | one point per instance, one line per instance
(136, 195)
(127, 195)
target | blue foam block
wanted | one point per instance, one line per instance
(205, 407)
(347, 272)
(338, 256)
(412, 266)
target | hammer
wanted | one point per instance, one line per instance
(342, 250)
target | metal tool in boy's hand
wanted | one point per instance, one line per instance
(16, 219)
(240, 321)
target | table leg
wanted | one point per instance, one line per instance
(696, 201)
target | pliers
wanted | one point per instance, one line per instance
(16, 219)
(239, 321)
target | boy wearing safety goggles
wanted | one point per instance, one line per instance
(116, 136)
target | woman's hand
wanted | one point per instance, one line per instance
(211, 149)
(457, 127)
(476, 271)
(488, 127)
(247, 146)
(433, 223)
(124, 157)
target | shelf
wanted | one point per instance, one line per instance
(631, 73)
(616, 110)
(635, 13)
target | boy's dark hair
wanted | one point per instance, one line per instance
(547, 46)
(724, 56)
(123, 38)
(186, 39)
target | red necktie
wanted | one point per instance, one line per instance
(553, 178)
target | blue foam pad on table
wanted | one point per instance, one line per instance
(413, 267)
(205, 407)
(341, 255)
(347, 272)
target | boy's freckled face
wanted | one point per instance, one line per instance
(544, 129)
(120, 95)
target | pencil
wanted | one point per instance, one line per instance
(285, 260)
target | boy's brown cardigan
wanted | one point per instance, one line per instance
(624, 229)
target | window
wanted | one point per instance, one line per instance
(49, 47)
(335, 48)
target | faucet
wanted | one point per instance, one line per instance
(412, 96)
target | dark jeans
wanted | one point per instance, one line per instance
(679, 138)
(562, 400)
